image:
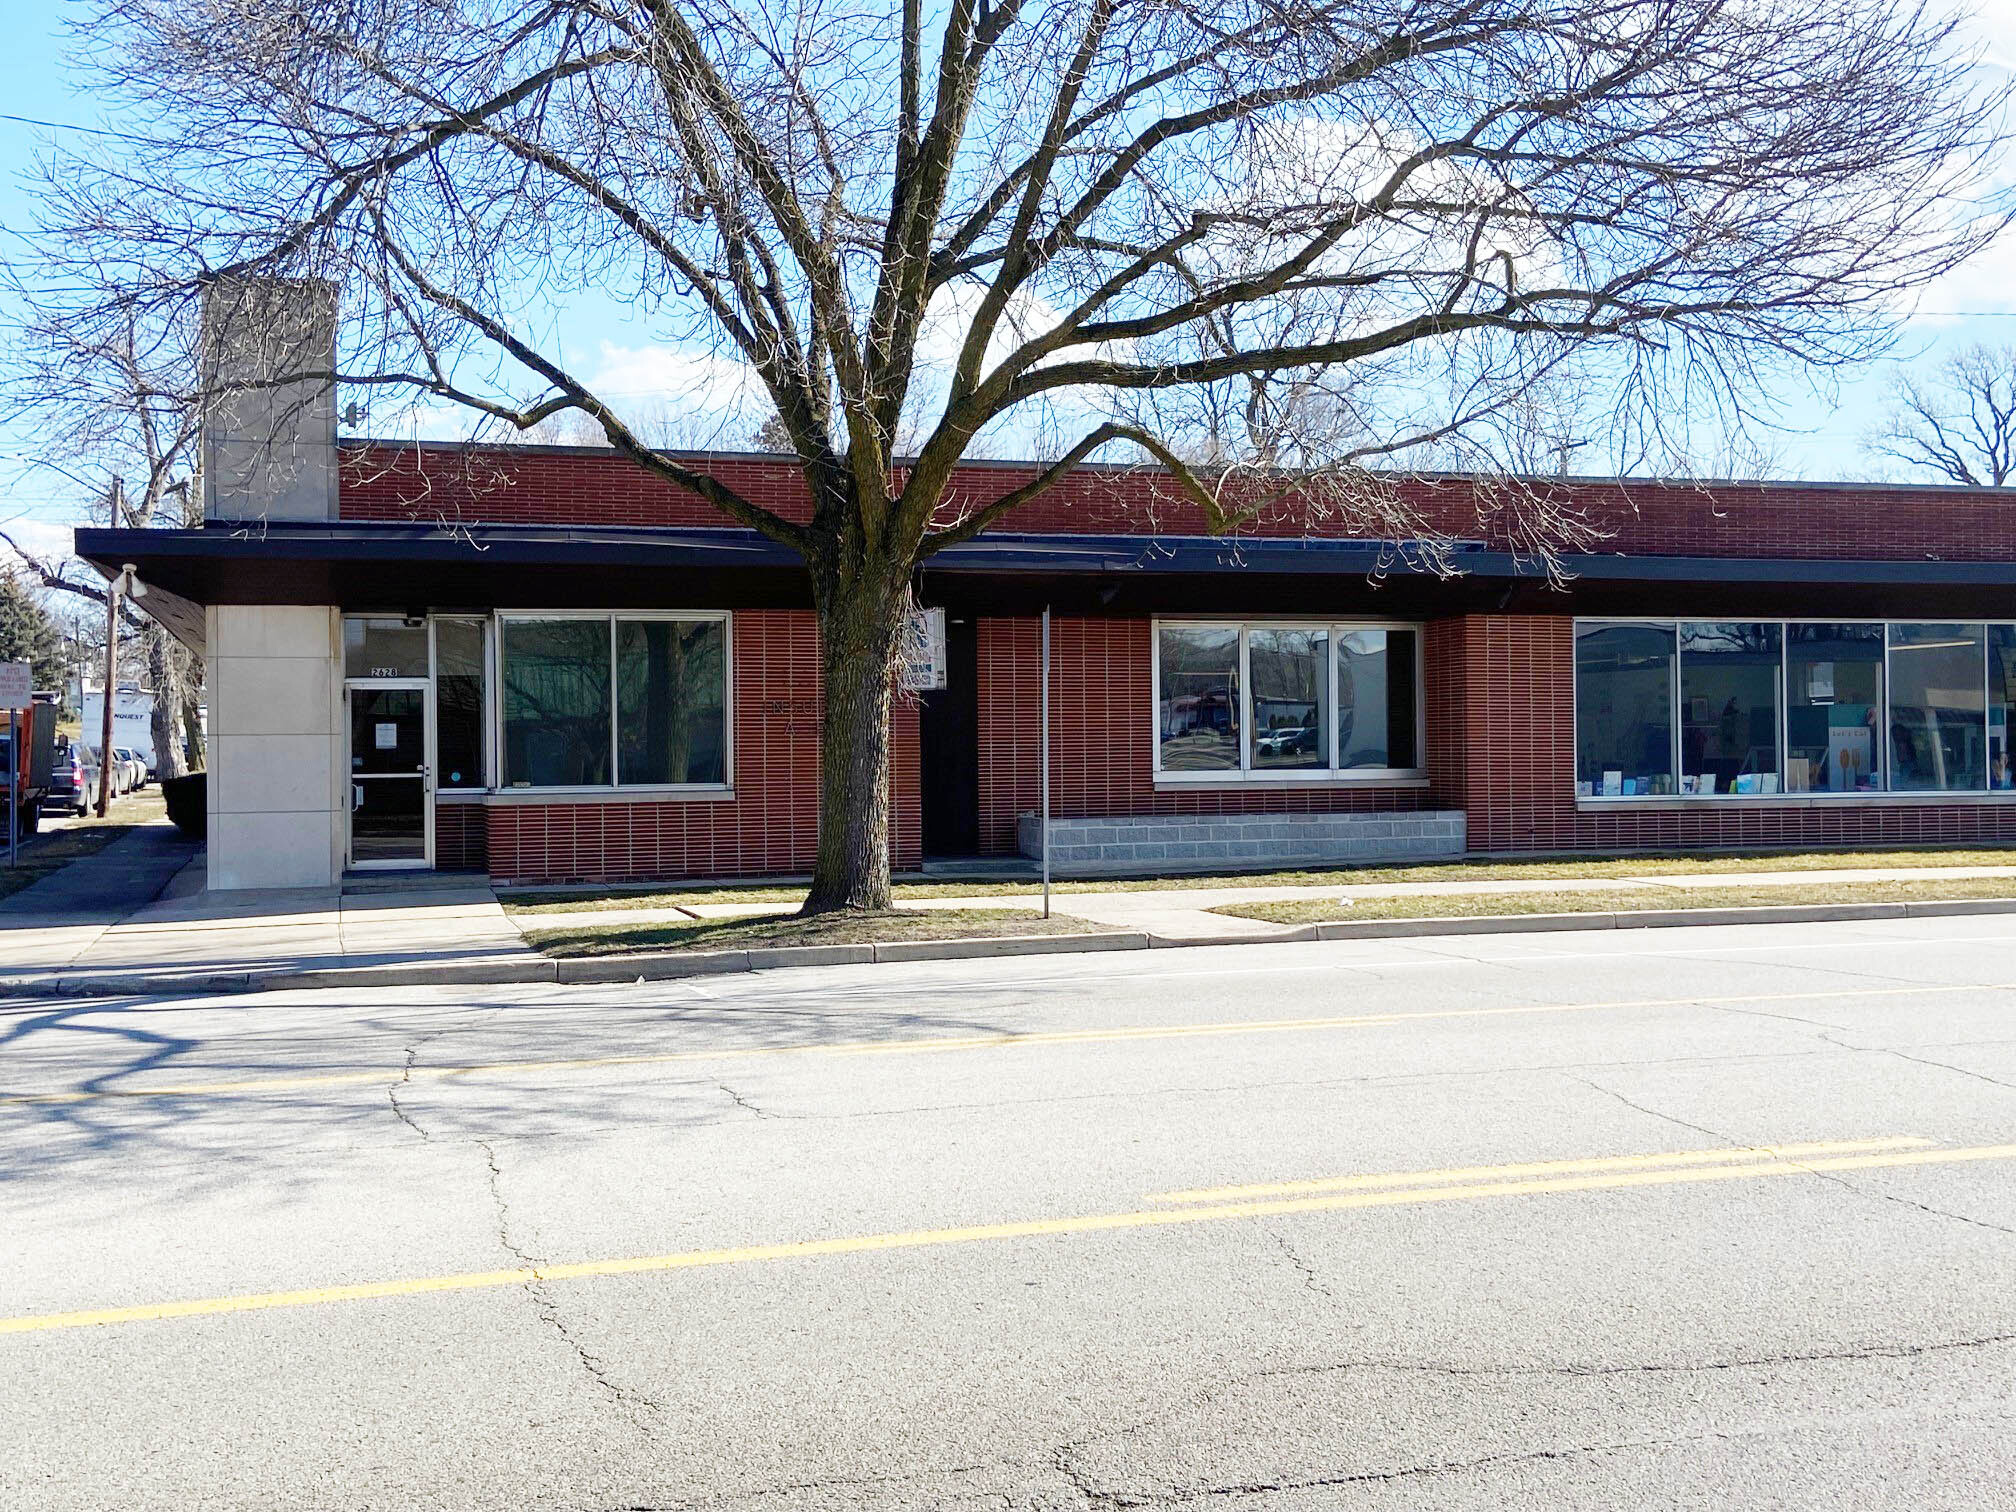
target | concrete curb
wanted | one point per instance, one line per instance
(673, 964)
(664, 964)
(1288, 934)
(1657, 918)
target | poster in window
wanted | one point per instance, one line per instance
(1848, 752)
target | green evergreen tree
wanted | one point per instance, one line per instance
(28, 633)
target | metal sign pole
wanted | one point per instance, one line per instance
(1043, 768)
(13, 789)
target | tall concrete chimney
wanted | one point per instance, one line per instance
(269, 437)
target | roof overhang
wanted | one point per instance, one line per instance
(417, 567)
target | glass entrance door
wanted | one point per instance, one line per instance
(391, 791)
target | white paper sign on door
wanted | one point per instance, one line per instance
(388, 737)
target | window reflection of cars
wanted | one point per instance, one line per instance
(1291, 742)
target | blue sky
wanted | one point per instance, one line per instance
(1823, 425)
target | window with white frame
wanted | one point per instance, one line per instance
(627, 700)
(1700, 709)
(1239, 701)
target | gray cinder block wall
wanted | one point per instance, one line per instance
(1178, 842)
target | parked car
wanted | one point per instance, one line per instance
(72, 779)
(1293, 742)
(122, 776)
(136, 767)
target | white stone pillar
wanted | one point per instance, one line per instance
(276, 782)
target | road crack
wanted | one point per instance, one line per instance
(392, 1095)
(1307, 1271)
(1834, 1177)
(743, 1103)
(1062, 1459)
(1677, 1122)
(1920, 1060)
(542, 1297)
(1184, 1495)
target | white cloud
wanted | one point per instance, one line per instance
(676, 375)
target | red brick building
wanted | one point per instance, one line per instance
(546, 663)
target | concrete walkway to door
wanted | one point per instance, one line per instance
(186, 931)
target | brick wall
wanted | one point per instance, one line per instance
(1102, 731)
(1500, 717)
(1515, 724)
(563, 486)
(460, 838)
(771, 825)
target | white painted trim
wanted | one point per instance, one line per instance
(1248, 776)
(616, 788)
(562, 797)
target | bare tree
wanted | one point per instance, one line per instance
(1960, 425)
(1013, 223)
(108, 404)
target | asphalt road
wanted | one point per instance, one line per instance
(1481, 1223)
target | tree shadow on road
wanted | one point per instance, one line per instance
(201, 1091)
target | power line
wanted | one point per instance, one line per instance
(124, 136)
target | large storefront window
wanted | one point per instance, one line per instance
(1938, 708)
(1286, 702)
(636, 701)
(1378, 721)
(1291, 699)
(1623, 710)
(556, 703)
(1198, 715)
(1794, 707)
(1833, 705)
(2001, 705)
(1729, 707)
(671, 701)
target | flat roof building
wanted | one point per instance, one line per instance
(547, 663)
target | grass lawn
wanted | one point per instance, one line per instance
(1444, 871)
(787, 929)
(53, 849)
(1445, 906)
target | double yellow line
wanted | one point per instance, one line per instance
(1200, 1205)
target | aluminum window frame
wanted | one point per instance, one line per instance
(489, 717)
(501, 786)
(1886, 794)
(1247, 776)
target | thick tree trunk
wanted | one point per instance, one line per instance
(859, 623)
(165, 677)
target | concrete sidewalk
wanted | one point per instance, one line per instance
(448, 931)
(104, 886)
(455, 931)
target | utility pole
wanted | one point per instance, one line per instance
(1043, 766)
(111, 664)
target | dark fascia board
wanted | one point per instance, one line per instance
(996, 555)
